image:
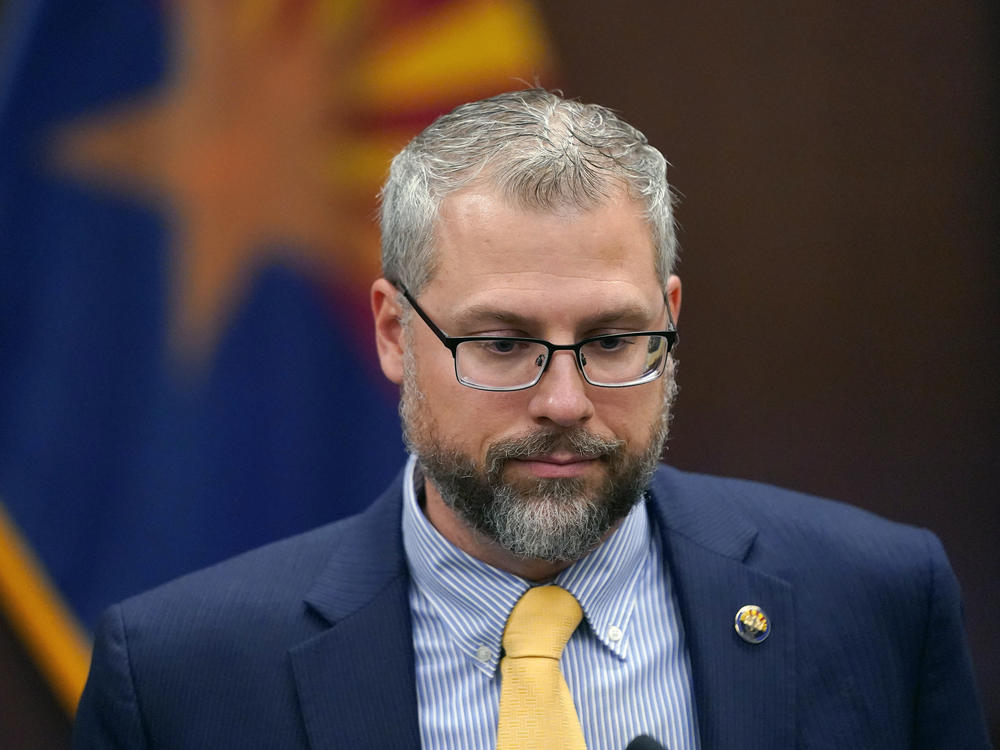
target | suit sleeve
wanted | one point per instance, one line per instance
(948, 711)
(108, 715)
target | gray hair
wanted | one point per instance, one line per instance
(537, 149)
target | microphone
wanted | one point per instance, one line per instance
(642, 742)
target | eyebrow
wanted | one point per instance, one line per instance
(478, 314)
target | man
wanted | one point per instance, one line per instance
(527, 310)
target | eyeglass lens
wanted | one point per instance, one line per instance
(610, 360)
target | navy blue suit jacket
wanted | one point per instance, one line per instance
(307, 642)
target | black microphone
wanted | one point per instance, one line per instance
(642, 742)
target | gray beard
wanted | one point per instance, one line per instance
(555, 520)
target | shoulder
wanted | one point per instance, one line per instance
(766, 505)
(275, 572)
(268, 585)
(184, 661)
(874, 602)
(792, 531)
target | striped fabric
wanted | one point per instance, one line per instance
(626, 664)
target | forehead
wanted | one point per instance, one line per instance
(485, 246)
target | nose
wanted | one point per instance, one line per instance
(561, 395)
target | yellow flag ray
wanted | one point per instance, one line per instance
(40, 618)
(453, 51)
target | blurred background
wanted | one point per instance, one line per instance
(187, 238)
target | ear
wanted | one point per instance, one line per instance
(388, 329)
(674, 296)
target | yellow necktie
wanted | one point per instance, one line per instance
(536, 707)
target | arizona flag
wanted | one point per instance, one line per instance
(186, 242)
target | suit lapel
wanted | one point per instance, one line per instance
(355, 680)
(744, 693)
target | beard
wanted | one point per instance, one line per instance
(550, 519)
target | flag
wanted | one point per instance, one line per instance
(187, 239)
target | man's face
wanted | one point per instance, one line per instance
(544, 473)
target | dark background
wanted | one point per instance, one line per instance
(838, 169)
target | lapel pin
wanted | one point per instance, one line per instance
(752, 624)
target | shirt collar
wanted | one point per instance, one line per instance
(474, 599)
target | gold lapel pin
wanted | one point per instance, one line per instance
(752, 624)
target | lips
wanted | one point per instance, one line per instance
(558, 465)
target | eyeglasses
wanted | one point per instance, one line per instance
(513, 363)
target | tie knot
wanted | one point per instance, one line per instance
(541, 623)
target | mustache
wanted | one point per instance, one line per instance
(577, 441)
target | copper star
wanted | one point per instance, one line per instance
(236, 147)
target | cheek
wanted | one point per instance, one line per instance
(631, 414)
(432, 371)
(463, 417)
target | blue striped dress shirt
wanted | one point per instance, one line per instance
(626, 665)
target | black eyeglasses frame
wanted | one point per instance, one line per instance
(452, 343)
